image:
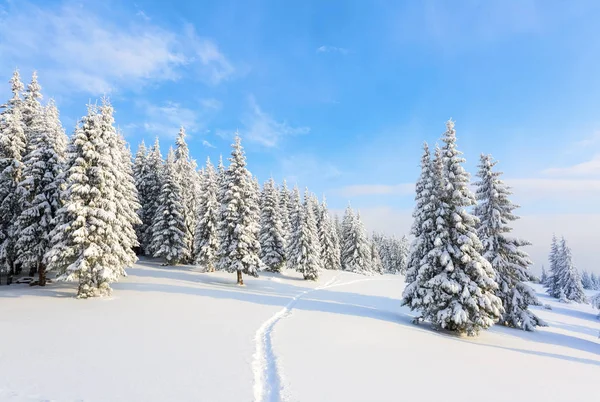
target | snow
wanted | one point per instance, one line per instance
(177, 334)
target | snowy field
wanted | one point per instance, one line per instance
(174, 334)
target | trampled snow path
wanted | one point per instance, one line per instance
(268, 385)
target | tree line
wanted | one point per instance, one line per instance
(83, 207)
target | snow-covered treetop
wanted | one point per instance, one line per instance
(16, 87)
(457, 190)
(182, 151)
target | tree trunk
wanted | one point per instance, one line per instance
(240, 281)
(42, 274)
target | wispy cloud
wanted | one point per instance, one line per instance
(213, 65)
(553, 189)
(211, 103)
(262, 128)
(376, 189)
(332, 49)
(82, 51)
(303, 168)
(207, 144)
(591, 140)
(166, 118)
(583, 169)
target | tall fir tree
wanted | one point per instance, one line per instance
(13, 143)
(188, 181)
(168, 227)
(140, 173)
(304, 255)
(207, 236)
(424, 223)
(544, 277)
(356, 250)
(509, 261)
(284, 210)
(337, 224)
(595, 281)
(125, 193)
(454, 288)
(330, 243)
(376, 263)
(150, 202)
(238, 227)
(271, 237)
(553, 283)
(586, 280)
(39, 191)
(32, 108)
(569, 280)
(295, 208)
(88, 243)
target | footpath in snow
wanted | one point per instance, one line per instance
(175, 334)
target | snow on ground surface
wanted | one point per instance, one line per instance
(175, 334)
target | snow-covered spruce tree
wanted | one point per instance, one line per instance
(206, 238)
(238, 226)
(330, 244)
(129, 202)
(86, 241)
(284, 210)
(553, 282)
(544, 277)
(125, 194)
(188, 181)
(39, 192)
(595, 281)
(586, 280)
(595, 302)
(376, 263)
(304, 255)
(402, 256)
(220, 178)
(150, 202)
(314, 204)
(570, 280)
(356, 250)
(346, 241)
(140, 172)
(168, 227)
(454, 287)
(55, 128)
(271, 237)
(505, 254)
(424, 224)
(337, 224)
(12, 147)
(295, 208)
(32, 108)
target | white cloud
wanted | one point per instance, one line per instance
(213, 104)
(591, 140)
(556, 189)
(587, 168)
(303, 168)
(166, 119)
(332, 49)
(207, 144)
(260, 127)
(213, 64)
(80, 51)
(377, 189)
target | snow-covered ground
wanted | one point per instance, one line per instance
(174, 334)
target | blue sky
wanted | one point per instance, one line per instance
(340, 96)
